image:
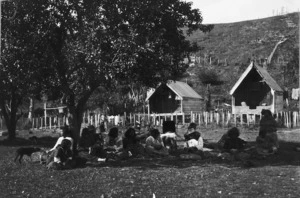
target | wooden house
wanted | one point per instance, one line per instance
(256, 90)
(174, 97)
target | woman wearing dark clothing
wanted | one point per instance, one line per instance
(233, 142)
(131, 143)
(267, 140)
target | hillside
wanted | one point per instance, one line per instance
(230, 47)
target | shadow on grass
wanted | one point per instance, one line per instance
(45, 141)
(287, 155)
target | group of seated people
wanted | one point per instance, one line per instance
(118, 146)
(266, 142)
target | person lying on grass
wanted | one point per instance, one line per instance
(154, 145)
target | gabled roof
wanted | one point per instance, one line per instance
(181, 89)
(263, 73)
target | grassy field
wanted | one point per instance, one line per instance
(274, 176)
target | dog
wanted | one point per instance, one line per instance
(34, 139)
(25, 151)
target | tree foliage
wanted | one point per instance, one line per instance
(20, 75)
(92, 43)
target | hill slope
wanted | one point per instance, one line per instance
(229, 48)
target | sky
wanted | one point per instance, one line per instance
(228, 11)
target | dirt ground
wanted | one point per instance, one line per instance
(274, 176)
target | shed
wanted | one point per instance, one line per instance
(174, 97)
(256, 90)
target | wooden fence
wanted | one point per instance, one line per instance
(204, 119)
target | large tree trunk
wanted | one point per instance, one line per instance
(10, 115)
(75, 121)
(75, 117)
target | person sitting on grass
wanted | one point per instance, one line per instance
(66, 134)
(113, 142)
(154, 145)
(233, 143)
(131, 143)
(267, 140)
(194, 141)
(113, 146)
(60, 156)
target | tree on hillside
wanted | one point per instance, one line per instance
(209, 77)
(92, 43)
(292, 69)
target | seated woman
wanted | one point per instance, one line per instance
(154, 144)
(113, 142)
(113, 146)
(194, 141)
(131, 143)
(89, 138)
(267, 140)
(60, 156)
(233, 143)
(67, 134)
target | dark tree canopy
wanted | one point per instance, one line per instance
(79, 45)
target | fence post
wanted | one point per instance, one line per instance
(228, 118)
(88, 118)
(32, 126)
(41, 122)
(287, 119)
(205, 118)
(130, 117)
(139, 118)
(235, 119)
(248, 123)
(183, 118)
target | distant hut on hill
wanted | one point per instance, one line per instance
(256, 90)
(174, 97)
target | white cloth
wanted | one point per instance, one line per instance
(295, 93)
(169, 135)
(60, 139)
(196, 143)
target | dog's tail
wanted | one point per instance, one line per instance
(17, 156)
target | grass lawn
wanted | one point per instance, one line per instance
(274, 176)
